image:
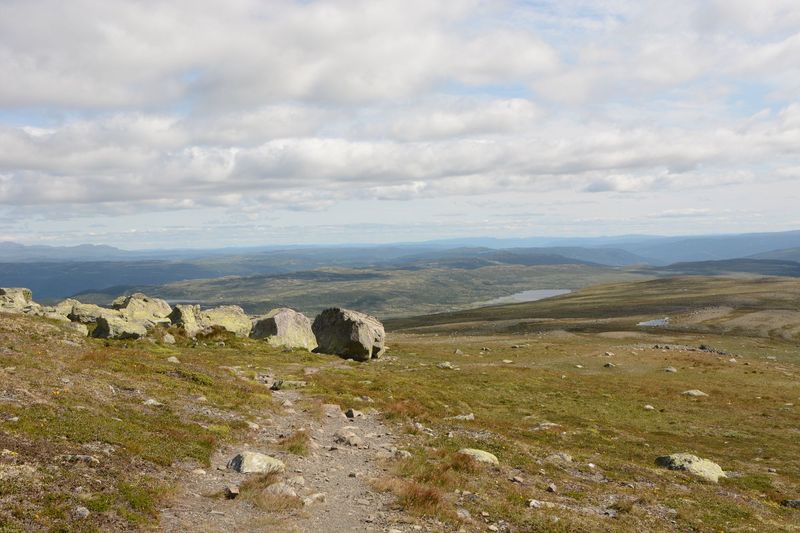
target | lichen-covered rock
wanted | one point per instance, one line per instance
(139, 307)
(480, 455)
(228, 317)
(349, 334)
(188, 317)
(255, 463)
(15, 297)
(90, 313)
(702, 468)
(285, 328)
(118, 328)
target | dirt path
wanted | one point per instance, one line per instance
(338, 469)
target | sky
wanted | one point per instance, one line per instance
(199, 123)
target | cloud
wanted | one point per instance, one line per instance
(118, 108)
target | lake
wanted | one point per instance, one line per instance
(525, 296)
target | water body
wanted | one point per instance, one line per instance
(526, 296)
(655, 323)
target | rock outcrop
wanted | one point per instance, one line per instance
(112, 327)
(285, 328)
(139, 307)
(349, 334)
(87, 313)
(15, 299)
(481, 456)
(194, 321)
(228, 317)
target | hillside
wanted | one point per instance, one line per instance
(768, 307)
(382, 292)
(105, 435)
(758, 267)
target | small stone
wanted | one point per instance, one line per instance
(551, 487)
(402, 454)
(609, 354)
(252, 425)
(173, 360)
(671, 369)
(445, 365)
(493, 528)
(794, 504)
(352, 413)
(168, 338)
(231, 492)
(458, 352)
(609, 365)
(81, 513)
(150, 402)
(517, 479)
(463, 514)
(649, 407)
(255, 463)
(317, 497)
(363, 501)
(507, 361)
(480, 455)
(578, 366)
(694, 393)
(282, 489)
(199, 472)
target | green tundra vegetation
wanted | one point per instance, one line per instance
(569, 393)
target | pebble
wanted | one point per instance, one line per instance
(173, 360)
(81, 512)
(671, 369)
(649, 407)
(551, 487)
(152, 402)
(609, 365)
(694, 393)
(507, 361)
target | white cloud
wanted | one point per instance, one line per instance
(116, 108)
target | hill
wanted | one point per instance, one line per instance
(768, 307)
(105, 435)
(760, 267)
(383, 292)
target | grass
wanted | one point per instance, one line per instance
(297, 443)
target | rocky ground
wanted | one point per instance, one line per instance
(331, 482)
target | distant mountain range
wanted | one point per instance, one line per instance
(58, 271)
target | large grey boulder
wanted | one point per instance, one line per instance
(228, 317)
(285, 328)
(118, 328)
(702, 468)
(139, 307)
(349, 334)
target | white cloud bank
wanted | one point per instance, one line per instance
(112, 109)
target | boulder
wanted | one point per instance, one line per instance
(139, 307)
(228, 317)
(15, 298)
(349, 334)
(78, 328)
(285, 328)
(188, 317)
(702, 468)
(480, 455)
(118, 328)
(65, 307)
(90, 313)
(255, 463)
